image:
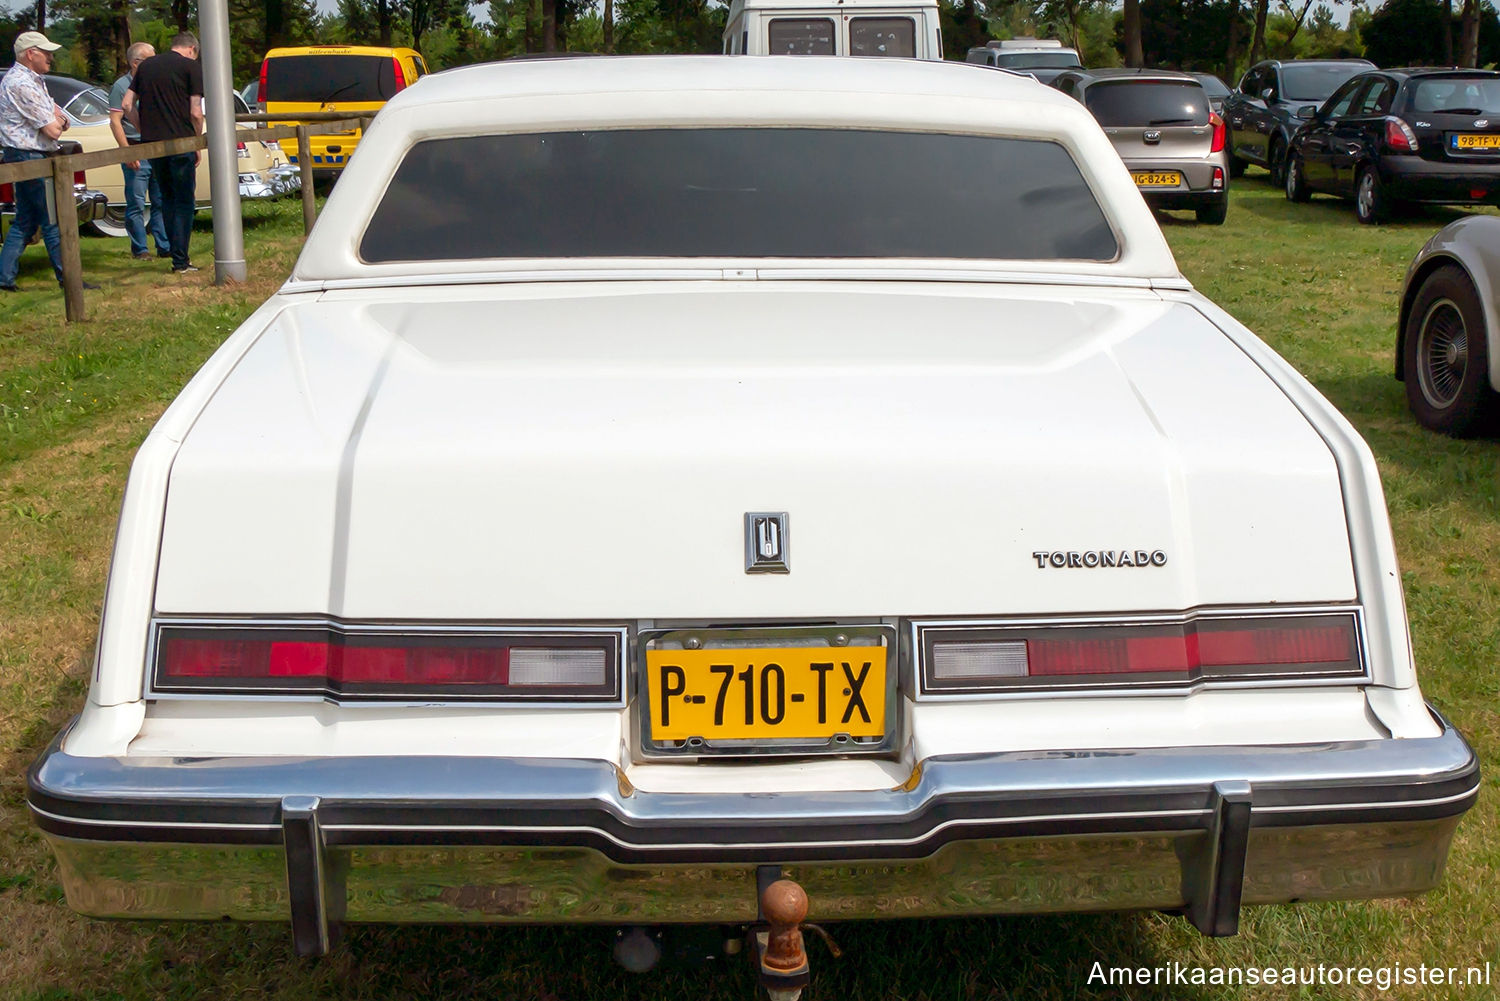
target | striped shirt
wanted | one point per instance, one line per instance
(25, 109)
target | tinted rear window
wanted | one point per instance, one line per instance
(1455, 95)
(812, 36)
(737, 193)
(882, 36)
(1314, 84)
(1147, 102)
(318, 79)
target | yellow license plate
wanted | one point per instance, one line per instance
(1465, 141)
(1157, 179)
(773, 693)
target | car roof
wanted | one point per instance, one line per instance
(1315, 62)
(68, 86)
(1123, 73)
(540, 78)
(1419, 71)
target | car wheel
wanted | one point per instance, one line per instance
(1276, 163)
(1370, 203)
(1214, 213)
(1296, 180)
(112, 223)
(1447, 355)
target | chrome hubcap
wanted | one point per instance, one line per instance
(1366, 195)
(1442, 353)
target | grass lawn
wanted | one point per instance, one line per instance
(76, 401)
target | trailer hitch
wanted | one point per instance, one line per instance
(784, 969)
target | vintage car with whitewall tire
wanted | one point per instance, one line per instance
(1445, 336)
(681, 528)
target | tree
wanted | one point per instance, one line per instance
(1132, 24)
(1410, 33)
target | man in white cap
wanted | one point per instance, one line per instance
(30, 122)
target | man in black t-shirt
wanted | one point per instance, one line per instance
(165, 100)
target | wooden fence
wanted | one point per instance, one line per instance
(60, 170)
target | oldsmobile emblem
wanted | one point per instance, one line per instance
(766, 542)
(1099, 558)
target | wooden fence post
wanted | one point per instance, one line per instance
(304, 164)
(67, 227)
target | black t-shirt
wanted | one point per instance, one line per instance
(164, 86)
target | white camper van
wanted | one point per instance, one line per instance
(851, 28)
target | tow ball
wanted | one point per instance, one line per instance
(778, 942)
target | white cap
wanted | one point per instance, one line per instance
(34, 40)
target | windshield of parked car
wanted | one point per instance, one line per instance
(317, 79)
(1026, 60)
(1313, 84)
(1147, 102)
(738, 192)
(1456, 95)
(90, 106)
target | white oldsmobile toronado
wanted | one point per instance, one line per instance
(663, 475)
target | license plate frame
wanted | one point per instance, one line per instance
(1157, 178)
(1485, 142)
(690, 648)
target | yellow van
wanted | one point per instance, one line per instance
(353, 78)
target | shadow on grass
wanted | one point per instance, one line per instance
(990, 958)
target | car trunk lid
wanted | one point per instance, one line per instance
(590, 451)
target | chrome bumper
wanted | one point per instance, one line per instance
(90, 204)
(322, 841)
(278, 182)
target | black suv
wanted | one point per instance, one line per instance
(1262, 111)
(1402, 135)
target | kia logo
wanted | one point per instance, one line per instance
(1481, 123)
(1152, 137)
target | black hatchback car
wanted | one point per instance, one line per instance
(1402, 136)
(1262, 110)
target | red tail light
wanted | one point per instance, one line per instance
(400, 76)
(78, 177)
(8, 194)
(1208, 648)
(1399, 137)
(262, 95)
(1220, 132)
(359, 664)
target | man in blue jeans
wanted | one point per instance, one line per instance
(138, 177)
(30, 123)
(165, 100)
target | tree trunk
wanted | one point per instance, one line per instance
(1232, 46)
(181, 13)
(121, 26)
(1447, 33)
(275, 24)
(609, 26)
(41, 15)
(549, 25)
(383, 20)
(1133, 54)
(1469, 54)
(1258, 40)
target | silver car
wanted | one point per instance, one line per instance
(1163, 128)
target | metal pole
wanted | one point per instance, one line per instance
(223, 160)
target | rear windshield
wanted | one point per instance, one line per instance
(801, 36)
(883, 36)
(318, 79)
(737, 192)
(1213, 85)
(1314, 84)
(1455, 95)
(1148, 102)
(1041, 60)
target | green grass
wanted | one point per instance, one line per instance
(75, 403)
